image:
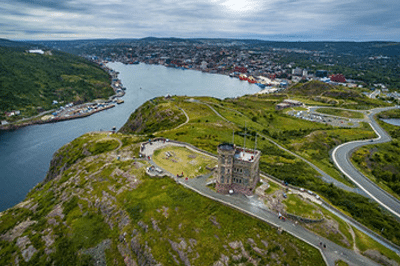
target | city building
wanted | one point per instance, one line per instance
(297, 72)
(238, 169)
(321, 73)
(288, 103)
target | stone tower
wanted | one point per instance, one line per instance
(238, 169)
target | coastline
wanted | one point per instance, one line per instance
(119, 91)
(13, 126)
(115, 84)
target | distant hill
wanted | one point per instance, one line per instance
(8, 43)
(30, 82)
(391, 49)
(310, 88)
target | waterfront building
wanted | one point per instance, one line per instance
(238, 169)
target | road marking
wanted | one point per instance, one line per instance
(352, 179)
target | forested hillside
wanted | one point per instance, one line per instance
(29, 82)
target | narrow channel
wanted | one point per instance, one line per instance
(25, 154)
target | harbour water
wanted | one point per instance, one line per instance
(25, 154)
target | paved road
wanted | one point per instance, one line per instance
(254, 207)
(324, 176)
(342, 153)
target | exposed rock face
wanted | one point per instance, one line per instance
(155, 225)
(98, 252)
(28, 253)
(143, 253)
(236, 244)
(179, 248)
(376, 255)
(57, 211)
(213, 220)
(17, 231)
(49, 240)
(54, 169)
(88, 210)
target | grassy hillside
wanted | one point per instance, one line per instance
(98, 204)
(205, 129)
(320, 93)
(95, 207)
(151, 117)
(30, 82)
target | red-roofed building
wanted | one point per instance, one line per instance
(338, 78)
(240, 69)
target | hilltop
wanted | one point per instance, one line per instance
(99, 202)
(30, 82)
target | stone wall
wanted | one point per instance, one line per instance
(302, 219)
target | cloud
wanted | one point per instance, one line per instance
(269, 19)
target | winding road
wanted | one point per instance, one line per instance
(341, 157)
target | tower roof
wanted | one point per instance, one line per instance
(226, 146)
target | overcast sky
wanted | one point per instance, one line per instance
(289, 20)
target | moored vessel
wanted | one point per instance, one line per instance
(243, 77)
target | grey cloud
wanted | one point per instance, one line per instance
(65, 5)
(273, 19)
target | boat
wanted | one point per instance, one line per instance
(242, 77)
(119, 101)
(262, 86)
(251, 80)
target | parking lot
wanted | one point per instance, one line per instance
(326, 119)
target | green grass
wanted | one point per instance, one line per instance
(154, 116)
(309, 139)
(102, 145)
(344, 238)
(273, 187)
(365, 242)
(297, 206)
(310, 101)
(341, 263)
(183, 160)
(189, 217)
(88, 230)
(341, 113)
